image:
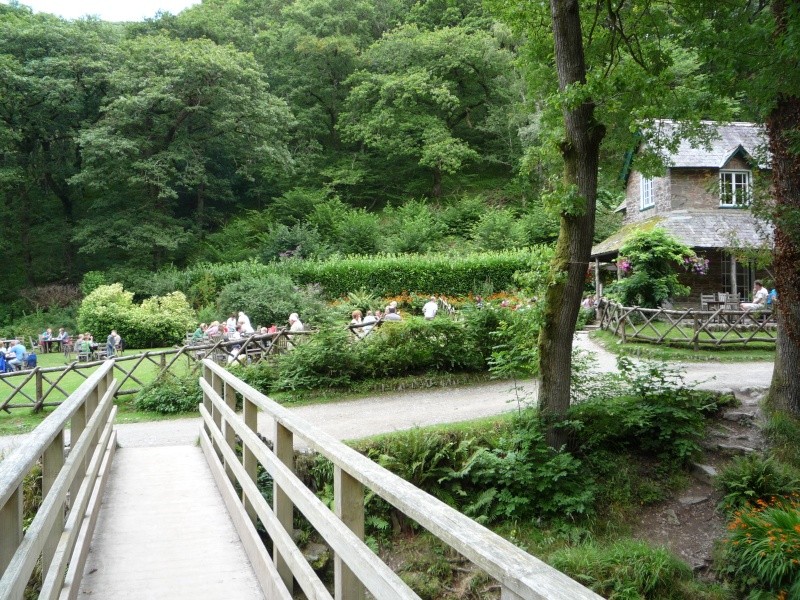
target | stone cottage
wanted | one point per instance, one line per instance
(702, 200)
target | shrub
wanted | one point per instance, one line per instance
(325, 360)
(626, 569)
(158, 321)
(385, 275)
(416, 346)
(413, 228)
(298, 241)
(170, 394)
(754, 477)
(498, 229)
(651, 257)
(357, 233)
(271, 299)
(653, 414)
(762, 550)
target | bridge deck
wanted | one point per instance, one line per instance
(164, 532)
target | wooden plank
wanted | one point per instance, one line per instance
(11, 526)
(283, 448)
(15, 466)
(52, 461)
(306, 578)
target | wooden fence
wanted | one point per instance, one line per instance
(234, 451)
(690, 327)
(45, 386)
(72, 486)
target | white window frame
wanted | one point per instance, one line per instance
(646, 198)
(735, 188)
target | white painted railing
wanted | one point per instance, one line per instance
(72, 485)
(356, 567)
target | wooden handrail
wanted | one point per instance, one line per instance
(89, 411)
(520, 574)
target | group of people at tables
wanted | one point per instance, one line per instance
(237, 326)
(362, 324)
(14, 356)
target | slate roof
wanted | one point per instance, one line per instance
(731, 138)
(716, 228)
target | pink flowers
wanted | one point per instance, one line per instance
(696, 264)
(624, 265)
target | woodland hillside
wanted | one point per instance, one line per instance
(264, 129)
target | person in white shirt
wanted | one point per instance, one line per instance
(245, 328)
(430, 308)
(760, 294)
(294, 322)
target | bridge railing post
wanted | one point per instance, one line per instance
(348, 501)
(230, 433)
(52, 462)
(282, 504)
(11, 526)
(249, 460)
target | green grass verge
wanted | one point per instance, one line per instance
(750, 353)
(23, 419)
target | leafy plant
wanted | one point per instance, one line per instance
(157, 321)
(523, 477)
(170, 394)
(762, 550)
(649, 258)
(652, 412)
(748, 479)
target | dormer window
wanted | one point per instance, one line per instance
(646, 193)
(734, 188)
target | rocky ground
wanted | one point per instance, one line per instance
(689, 524)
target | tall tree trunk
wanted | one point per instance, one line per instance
(580, 150)
(783, 127)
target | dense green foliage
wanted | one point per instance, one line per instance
(648, 260)
(627, 569)
(754, 477)
(170, 394)
(156, 322)
(762, 550)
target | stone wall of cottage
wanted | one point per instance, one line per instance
(680, 189)
(661, 192)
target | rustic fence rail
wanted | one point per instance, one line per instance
(234, 451)
(688, 326)
(72, 485)
(45, 386)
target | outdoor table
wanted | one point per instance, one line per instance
(47, 345)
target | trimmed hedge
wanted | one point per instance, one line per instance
(384, 275)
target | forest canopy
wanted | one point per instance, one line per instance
(264, 129)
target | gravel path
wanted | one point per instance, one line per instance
(364, 417)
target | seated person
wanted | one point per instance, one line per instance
(760, 295)
(391, 314)
(17, 354)
(199, 333)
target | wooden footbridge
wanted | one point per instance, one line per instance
(180, 522)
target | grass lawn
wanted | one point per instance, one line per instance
(21, 420)
(727, 353)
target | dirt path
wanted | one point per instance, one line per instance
(372, 415)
